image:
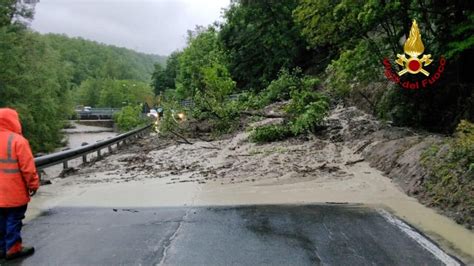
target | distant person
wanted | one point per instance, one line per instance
(18, 181)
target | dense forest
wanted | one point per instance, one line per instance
(45, 76)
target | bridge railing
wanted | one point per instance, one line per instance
(65, 156)
(97, 113)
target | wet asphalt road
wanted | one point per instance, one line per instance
(251, 235)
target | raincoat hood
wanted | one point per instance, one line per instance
(9, 120)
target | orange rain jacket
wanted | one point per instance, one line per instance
(17, 167)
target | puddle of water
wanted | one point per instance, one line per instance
(76, 137)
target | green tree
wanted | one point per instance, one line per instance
(14, 12)
(159, 80)
(113, 93)
(203, 51)
(129, 118)
(172, 69)
(92, 60)
(33, 81)
(262, 38)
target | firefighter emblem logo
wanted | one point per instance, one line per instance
(413, 48)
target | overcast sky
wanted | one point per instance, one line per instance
(150, 26)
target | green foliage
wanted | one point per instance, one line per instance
(39, 75)
(168, 122)
(310, 118)
(14, 13)
(164, 78)
(213, 103)
(451, 173)
(360, 34)
(396, 106)
(159, 79)
(89, 59)
(113, 93)
(204, 78)
(307, 109)
(33, 81)
(261, 38)
(464, 33)
(270, 133)
(354, 67)
(463, 151)
(203, 51)
(281, 88)
(130, 118)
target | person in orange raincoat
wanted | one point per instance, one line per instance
(18, 180)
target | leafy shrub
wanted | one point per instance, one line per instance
(270, 133)
(353, 68)
(396, 106)
(451, 172)
(129, 118)
(311, 118)
(213, 103)
(280, 89)
(307, 110)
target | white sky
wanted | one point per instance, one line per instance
(150, 26)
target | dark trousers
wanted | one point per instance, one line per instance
(10, 227)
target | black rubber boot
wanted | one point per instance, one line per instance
(25, 252)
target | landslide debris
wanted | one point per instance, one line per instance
(348, 138)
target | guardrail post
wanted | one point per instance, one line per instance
(65, 156)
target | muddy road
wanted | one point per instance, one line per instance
(232, 235)
(157, 175)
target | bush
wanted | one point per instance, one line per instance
(307, 110)
(270, 133)
(311, 118)
(129, 118)
(451, 173)
(281, 88)
(212, 101)
(353, 68)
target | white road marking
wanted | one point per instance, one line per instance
(425, 243)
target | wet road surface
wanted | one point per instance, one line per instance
(242, 235)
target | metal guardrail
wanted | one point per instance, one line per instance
(67, 155)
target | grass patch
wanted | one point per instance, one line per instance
(451, 173)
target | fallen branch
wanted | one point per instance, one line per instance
(354, 162)
(181, 137)
(211, 148)
(362, 147)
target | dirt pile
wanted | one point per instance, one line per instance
(349, 138)
(395, 151)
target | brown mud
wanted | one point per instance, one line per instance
(334, 166)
